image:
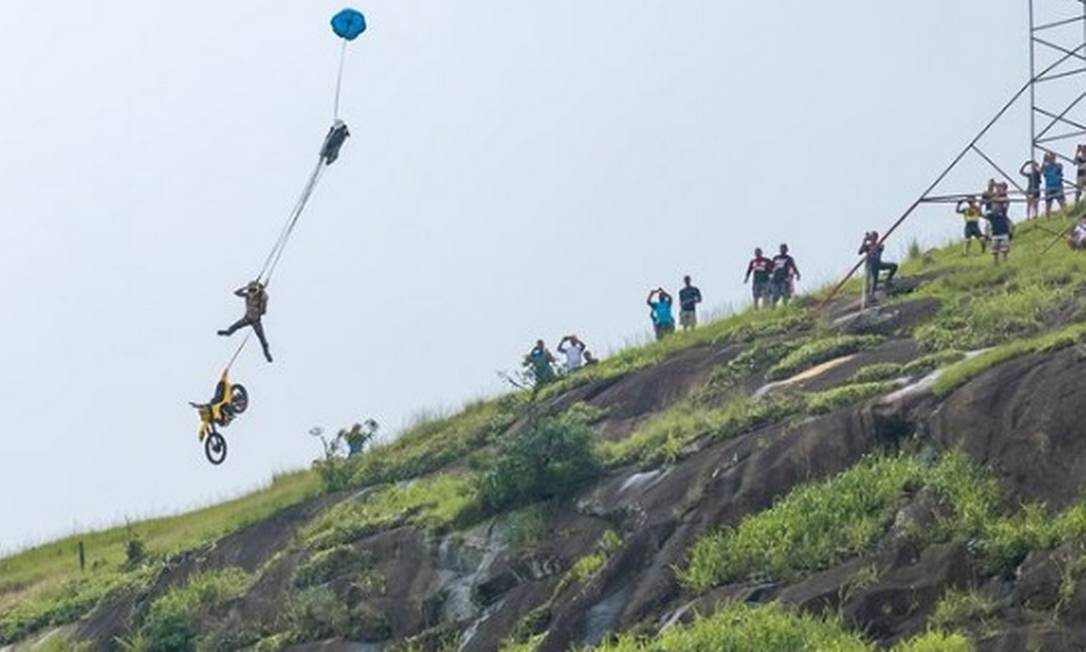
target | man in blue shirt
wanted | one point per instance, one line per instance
(663, 322)
(1052, 172)
(1001, 233)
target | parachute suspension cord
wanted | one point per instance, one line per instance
(276, 253)
(241, 347)
(339, 79)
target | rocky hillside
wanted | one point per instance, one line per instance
(907, 477)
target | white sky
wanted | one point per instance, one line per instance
(518, 170)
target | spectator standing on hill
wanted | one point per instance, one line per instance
(871, 249)
(970, 211)
(1001, 233)
(663, 321)
(1052, 172)
(760, 268)
(1080, 169)
(574, 352)
(539, 360)
(785, 274)
(1032, 172)
(689, 298)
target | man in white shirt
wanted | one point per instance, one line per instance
(573, 348)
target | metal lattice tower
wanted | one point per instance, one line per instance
(1056, 88)
(1057, 33)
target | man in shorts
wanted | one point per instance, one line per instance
(783, 276)
(1032, 172)
(689, 298)
(760, 268)
(663, 321)
(1001, 233)
(970, 212)
(1052, 172)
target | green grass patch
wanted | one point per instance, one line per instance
(819, 351)
(958, 608)
(756, 358)
(839, 397)
(739, 328)
(737, 627)
(437, 443)
(964, 371)
(43, 586)
(875, 373)
(664, 436)
(172, 620)
(811, 528)
(929, 362)
(436, 502)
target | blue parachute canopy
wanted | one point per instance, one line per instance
(349, 24)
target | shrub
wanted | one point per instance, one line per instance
(170, 625)
(819, 351)
(551, 459)
(325, 565)
(317, 614)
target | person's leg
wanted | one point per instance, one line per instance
(258, 328)
(892, 269)
(241, 323)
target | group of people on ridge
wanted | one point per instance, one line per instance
(541, 362)
(774, 278)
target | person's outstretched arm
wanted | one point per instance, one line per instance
(795, 268)
(958, 209)
(649, 300)
(241, 292)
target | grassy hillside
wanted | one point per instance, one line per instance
(515, 460)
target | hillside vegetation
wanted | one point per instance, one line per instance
(811, 478)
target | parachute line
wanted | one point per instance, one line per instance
(339, 80)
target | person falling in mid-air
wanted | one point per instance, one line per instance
(337, 135)
(689, 298)
(256, 304)
(761, 268)
(1032, 172)
(785, 273)
(970, 212)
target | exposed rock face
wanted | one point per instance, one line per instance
(475, 589)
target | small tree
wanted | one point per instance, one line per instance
(332, 466)
(134, 548)
(552, 459)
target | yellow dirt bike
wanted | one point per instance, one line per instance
(229, 401)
